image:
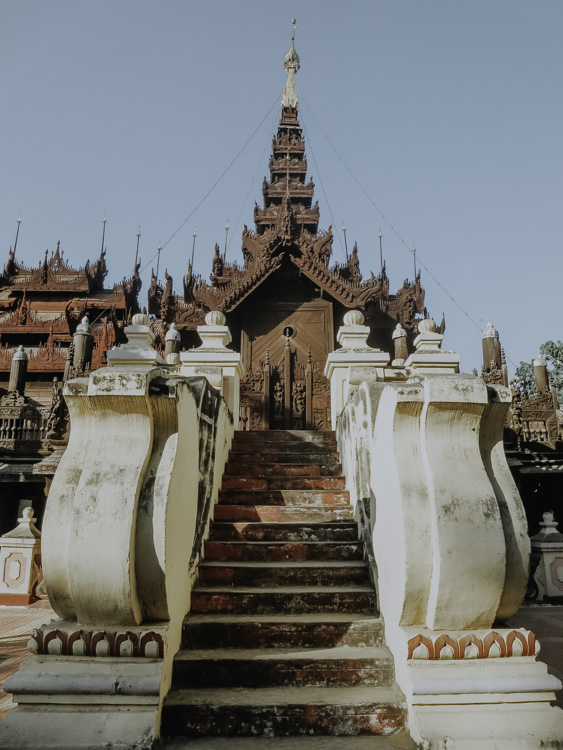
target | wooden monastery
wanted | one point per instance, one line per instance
(286, 302)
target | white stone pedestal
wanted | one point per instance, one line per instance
(549, 544)
(221, 366)
(354, 354)
(20, 562)
(428, 357)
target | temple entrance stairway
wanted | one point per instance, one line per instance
(283, 641)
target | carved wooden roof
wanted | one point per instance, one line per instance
(54, 274)
(286, 226)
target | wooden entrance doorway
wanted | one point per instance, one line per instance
(284, 348)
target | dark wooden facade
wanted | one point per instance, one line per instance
(285, 304)
(40, 309)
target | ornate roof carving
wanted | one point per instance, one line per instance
(54, 274)
(286, 227)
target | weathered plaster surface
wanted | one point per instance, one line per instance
(127, 516)
(451, 555)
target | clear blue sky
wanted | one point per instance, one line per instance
(448, 114)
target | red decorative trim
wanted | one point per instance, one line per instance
(516, 636)
(466, 641)
(488, 641)
(484, 645)
(445, 640)
(53, 635)
(92, 640)
(419, 640)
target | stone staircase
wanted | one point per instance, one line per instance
(283, 639)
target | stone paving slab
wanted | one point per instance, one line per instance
(546, 622)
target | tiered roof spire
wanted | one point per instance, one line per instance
(287, 190)
(291, 64)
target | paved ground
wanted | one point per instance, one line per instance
(16, 624)
(546, 622)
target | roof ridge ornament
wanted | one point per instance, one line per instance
(291, 64)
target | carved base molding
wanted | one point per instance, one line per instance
(477, 645)
(75, 641)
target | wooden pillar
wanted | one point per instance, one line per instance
(266, 402)
(309, 391)
(287, 384)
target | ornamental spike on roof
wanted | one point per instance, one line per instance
(286, 235)
(291, 64)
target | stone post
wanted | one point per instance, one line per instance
(18, 371)
(491, 346)
(540, 371)
(20, 561)
(548, 543)
(83, 345)
(400, 344)
(428, 357)
(138, 351)
(222, 367)
(355, 354)
(172, 341)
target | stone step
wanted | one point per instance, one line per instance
(284, 599)
(292, 573)
(283, 497)
(283, 483)
(286, 712)
(282, 551)
(278, 667)
(399, 741)
(284, 436)
(287, 457)
(236, 467)
(269, 513)
(269, 447)
(284, 532)
(281, 631)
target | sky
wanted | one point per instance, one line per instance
(436, 123)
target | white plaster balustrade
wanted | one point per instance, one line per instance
(221, 366)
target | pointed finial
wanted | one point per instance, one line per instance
(158, 249)
(226, 239)
(194, 235)
(381, 250)
(291, 64)
(104, 222)
(137, 252)
(17, 235)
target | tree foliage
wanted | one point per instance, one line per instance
(553, 352)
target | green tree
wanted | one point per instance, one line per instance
(553, 352)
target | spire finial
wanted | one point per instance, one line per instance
(138, 240)
(291, 64)
(104, 222)
(17, 235)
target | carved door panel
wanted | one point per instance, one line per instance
(284, 348)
